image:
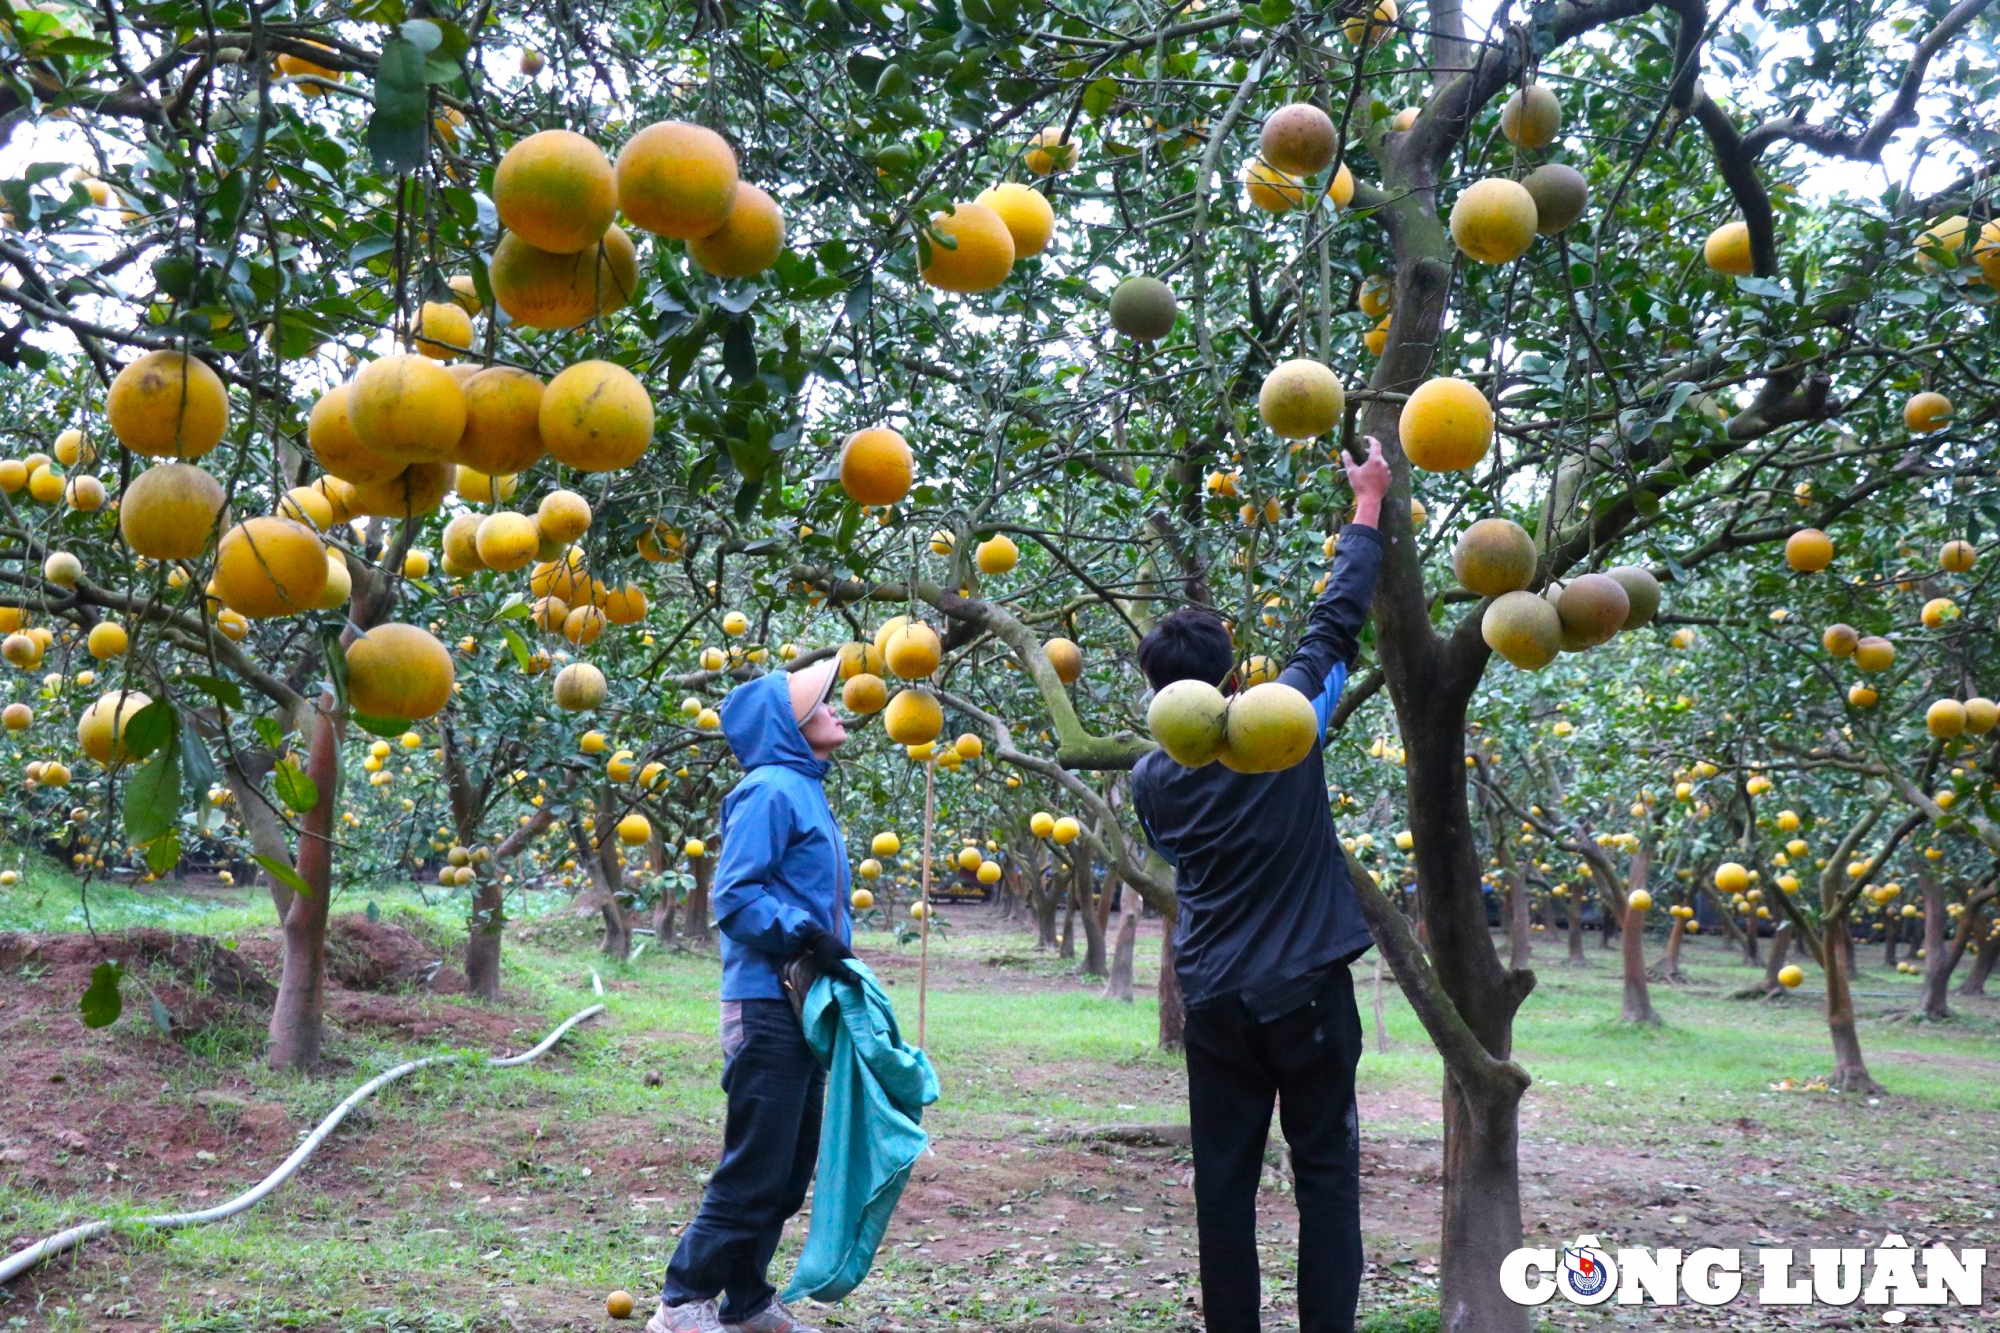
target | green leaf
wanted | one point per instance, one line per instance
(163, 853)
(225, 692)
(148, 728)
(153, 797)
(519, 645)
(399, 127)
(285, 875)
(373, 913)
(269, 732)
(101, 1004)
(299, 792)
(386, 727)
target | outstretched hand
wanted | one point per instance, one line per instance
(1370, 479)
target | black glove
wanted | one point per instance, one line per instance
(829, 955)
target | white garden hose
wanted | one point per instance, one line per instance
(22, 1261)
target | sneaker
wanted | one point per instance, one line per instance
(699, 1317)
(773, 1318)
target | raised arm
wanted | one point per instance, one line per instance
(1318, 668)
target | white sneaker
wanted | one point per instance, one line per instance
(699, 1317)
(773, 1318)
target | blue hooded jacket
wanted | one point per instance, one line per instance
(784, 863)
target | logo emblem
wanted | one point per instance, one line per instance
(1587, 1275)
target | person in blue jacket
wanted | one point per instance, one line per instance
(780, 890)
(1267, 925)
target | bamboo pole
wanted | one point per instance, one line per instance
(924, 921)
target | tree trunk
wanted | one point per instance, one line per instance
(1850, 1071)
(1638, 1003)
(1669, 967)
(1067, 949)
(1749, 938)
(1482, 1212)
(1091, 917)
(1939, 959)
(665, 904)
(1573, 910)
(598, 850)
(1781, 944)
(697, 926)
(1982, 966)
(1173, 1016)
(483, 934)
(1120, 986)
(1046, 901)
(1892, 927)
(298, 1017)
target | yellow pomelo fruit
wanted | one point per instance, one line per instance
(887, 630)
(419, 490)
(399, 671)
(912, 652)
(1373, 29)
(677, 179)
(1495, 556)
(1143, 308)
(749, 240)
(1642, 591)
(170, 512)
(583, 624)
(1532, 117)
(1298, 139)
(45, 484)
(1268, 728)
(1494, 220)
(625, 605)
(542, 290)
(83, 493)
(108, 639)
(1049, 150)
(997, 555)
(555, 191)
(1591, 608)
(339, 583)
(1560, 193)
(977, 253)
(1945, 718)
(1301, 399)
(1189, 718)
(407, 409)
(1524, 629)
(563, 516)
(1809, 550)
(307, 506)
(330, 433)
(1840, 640)
(567, 576)
(1791, 976)
(1926, 412)
(443, 331)
(476, 486)
(633, 829)
(1446, 426)
(1874, 654)
(503, 422)
(100, 731)
(1026, 212)
(466, 292)
(168, 405)
(913, 717)
(1731, 878)
(864, 693)
(579, 687)
(1980, 715)
(1727, 250)
(1958, 556)
(270, 566)
(858, 659)
(1270, 189)
(507, 541)
(1066, 658)
(876, 466)
(596, 417)
(461, 545)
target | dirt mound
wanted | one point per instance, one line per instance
(199, 978)
(382, 956)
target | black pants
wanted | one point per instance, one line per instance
(770, 1144)
(1236, 1066)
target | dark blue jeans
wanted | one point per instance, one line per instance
(770, 1144)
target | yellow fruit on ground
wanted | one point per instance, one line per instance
(1523, 628)
(1532, 117)
(913, 717)
(170, 511)
(596, 417)
(419, 490)
(100, 731)
(864, 693)
(443, 331)
(563, 516)
(1495, 556)
(1066, 830)
(399, 671)
(542, 290)
(633, 829)
(876, 466)
(997, 554)
(885, 844)
(976, 253)
(1270, 189)
(406, 409)
(555, 190)
(1446, 425)
(749, 240)
(1874, 654)
(1926, 412)
(108, 639)
(1049, 150)
(1301, 399)
(1945, 718)
(1958, 556)
(506, 541)
(912, 652)
(1371, 29)
(1269, 728)
(1808, 550)
(1066, 658)
(270, 566)
(168, 405)
(1727, 250)
(330, 433)
(1494, 220)
(1029, 218)
(677, 179)
(1298, 139)
(1189, 719)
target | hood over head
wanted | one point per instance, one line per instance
(758, 723)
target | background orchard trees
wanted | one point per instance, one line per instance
(289, 201)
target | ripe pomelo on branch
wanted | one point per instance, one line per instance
(1945, 718)
(912, 652)
(1446, 425)
(540, 289)
(1808, 550)
(676, 179)
(596, 417)
(1371, 29)
(406, 409)
(503, 430)
(997, 554)
(339, 583)
(562, 516)
(100, 731)
(399, 671)
(1642, 590)
(749, 240)
(1049, 151)
(1874, 653)
(1143, 308)
(1066, 658)
(864, 693)
(1532, 117)
(1727, 250)
(1927, 412)
(1271, 189)
(1523, 628)
(1269, 728)
(1301, 399)
(625, 605)
(1494, 220)
(860, 659)
(1560, 194)
(420, 489)
(330, 433)
(1025, 211)
(460, 544)
(168, 405)
(1189, 718)
(977, 253)
(876, 466)
(555, 190)
(443, 330)
(1981, 714)
(1592, 609)
(1299, 139)
(170, 511)
(505, 541)
(270, 566)
(1495, 556)
(1840, 640)
(913, 717)
(579, 687)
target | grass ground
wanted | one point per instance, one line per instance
(475, 1199)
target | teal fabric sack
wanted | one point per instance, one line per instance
(870, 1135)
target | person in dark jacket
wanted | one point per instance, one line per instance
(780, 889)
(1267, 926)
